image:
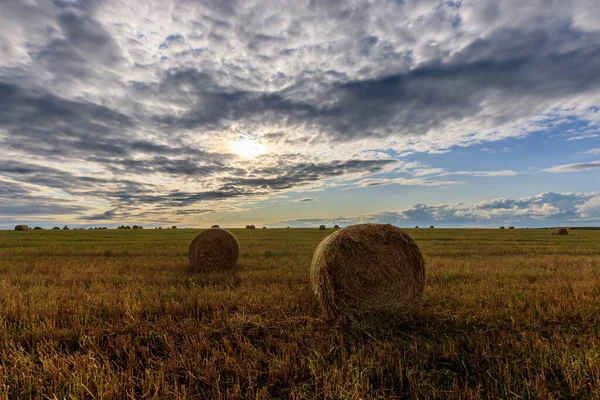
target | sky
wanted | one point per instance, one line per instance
(276, 113)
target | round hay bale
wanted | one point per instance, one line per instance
(431, 227)
(417, 227)
(322, 227)
(214, 249)
(501, 227)
(264, 227)
(367, 268)
(560, 231)
(215, 226)
(21, 228)
(336, 227)
(511, 227)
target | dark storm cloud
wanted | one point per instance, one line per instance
(148, 92)
(18, 201)
(43, 124)
(83, 46)
(289, 176)
(510, 65)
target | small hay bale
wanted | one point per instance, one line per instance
(367, 268)
(431, 227)
(322, 227)
(560, 231)
(173, 227)
(214, 249)
(21, 228)
(501, 227)
(511, 227)
(336, 227)
(264, 227)
(417, 227)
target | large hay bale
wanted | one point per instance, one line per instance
(560, 231)
(214, 249)
(21, 228)
(322, 227)
(511, 227)
(364, 268)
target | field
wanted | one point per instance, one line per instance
(115, 314)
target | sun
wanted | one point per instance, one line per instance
(247, 147)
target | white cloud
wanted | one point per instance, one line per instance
(590, 153)
(542, 209)
(588, 166)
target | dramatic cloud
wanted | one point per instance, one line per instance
(143, 109)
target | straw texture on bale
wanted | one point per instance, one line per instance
(560, 231)
(21, 228)
(214, 249)
(367, 268)
(322, 227)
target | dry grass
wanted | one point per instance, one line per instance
(365, 268)
(114, 314)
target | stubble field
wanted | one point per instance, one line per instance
(116, 314)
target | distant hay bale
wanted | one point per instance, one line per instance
(21, 228)
(214, 249)
(215, 226)
(288, 227)
(322, 227)
(431, 227)
(417, 227)
(560, 231)
(367, 268)
(264, 227)
(501, 227)
(173, 227)
(336, 227)
(511, 227)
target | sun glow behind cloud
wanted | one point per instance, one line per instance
(248, 147)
